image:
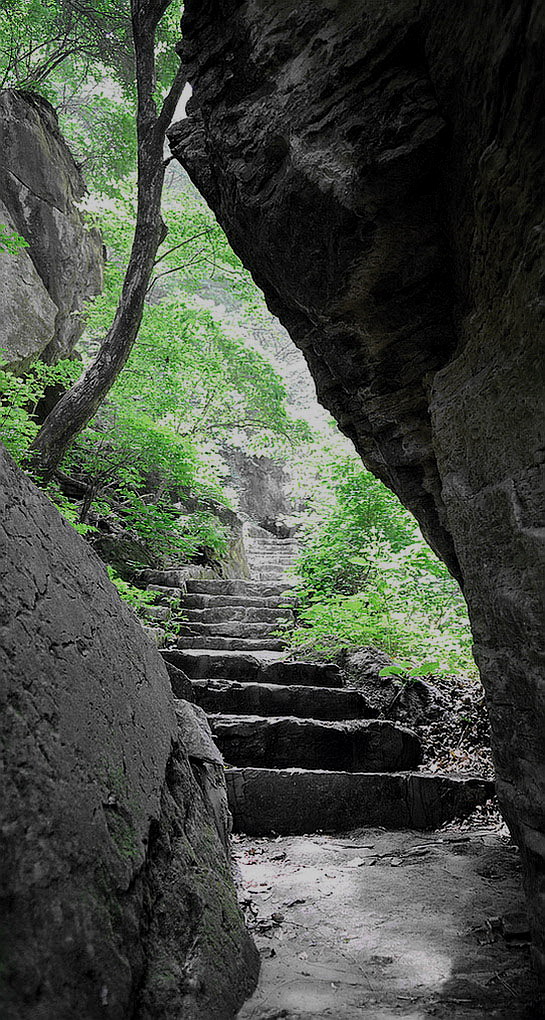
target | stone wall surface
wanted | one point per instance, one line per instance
(115, 878)
(261, 484)
(379, 167)
(42, 289)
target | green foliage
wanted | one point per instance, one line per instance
(19, 396)
(135, 597)
(205, 384)
(78, 54)
(368, 578)
(10, 241)
(361, 514)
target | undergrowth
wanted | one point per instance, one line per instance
(367, 577)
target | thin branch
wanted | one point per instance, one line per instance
(176, 269)
(202, 233)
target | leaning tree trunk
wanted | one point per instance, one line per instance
(79, 404)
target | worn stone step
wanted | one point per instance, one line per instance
(231, 644)
(234, 697)
(275, 602)
(269, 557)
(267, 536)
(254, 589)
(270, 574)
(247, 669)
(297, 801)
(276, 575)
(235, 628)
(246, 614)
(288, 742)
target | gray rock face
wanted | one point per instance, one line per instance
(263, 699)
(43, 289)
(282, 742)
(379, 168)
(261, 485)
(298, 801)
(248, 669)
(109, 798)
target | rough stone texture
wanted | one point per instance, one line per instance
(219, 601)
(295, 801)
(379, 168)
(260, 483)
(275, 699)
(235, 629)
(283, 742)
(247, 668)
(232, 644)
(26, 310)
(180, 683)
(115, 885)
(41, 186)
(242, 614)
(251, 589)
(410, 703)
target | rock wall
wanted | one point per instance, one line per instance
(261, 485)
(115, 880)
(379, 168)
(43, 288)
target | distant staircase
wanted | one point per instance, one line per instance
(303, 751)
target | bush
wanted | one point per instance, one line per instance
(368, 578)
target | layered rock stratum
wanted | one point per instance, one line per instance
(379, 169)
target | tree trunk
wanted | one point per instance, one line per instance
(79, 404)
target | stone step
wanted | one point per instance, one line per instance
(248, 669)
(235, 629)
(275, 602)
(288, 742)
(254, 532)
(231, 644)
(297, 801)
(246, 614)
(254, 556)
(233, 697)
(254, 589)
(166, 594)
(269, 573)
(269, 570)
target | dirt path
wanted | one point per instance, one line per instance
(388, 925)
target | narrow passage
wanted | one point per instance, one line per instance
(366, 894)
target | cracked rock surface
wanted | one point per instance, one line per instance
(115, 877)
(43, 288)
(379, 169)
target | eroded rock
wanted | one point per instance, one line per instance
(117, 899)
(282, 742)
(43, 289)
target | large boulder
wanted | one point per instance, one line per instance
(44, 287)
(115, 877)
(379, 167)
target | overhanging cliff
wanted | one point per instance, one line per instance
(379, 169)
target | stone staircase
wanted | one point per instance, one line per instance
(303, 752)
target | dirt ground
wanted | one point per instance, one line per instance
(388, 925)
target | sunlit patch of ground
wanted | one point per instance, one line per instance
(388, 925)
